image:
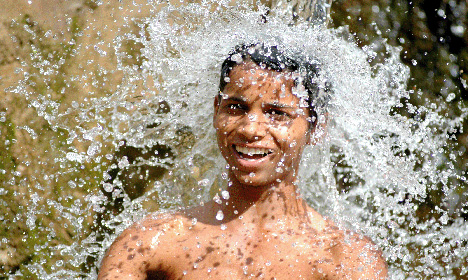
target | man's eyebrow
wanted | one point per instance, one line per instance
(276, 104)
(235, 99)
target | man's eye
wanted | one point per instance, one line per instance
(278, 115)
(234, 107)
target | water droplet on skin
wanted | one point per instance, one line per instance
(251, 174)
(219, 215)
(217, 199)
(223, 227)
(225, 195)
(194, 221)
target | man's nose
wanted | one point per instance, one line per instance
(254, 126)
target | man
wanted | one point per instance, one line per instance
(259, 227)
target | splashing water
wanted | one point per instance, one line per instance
(149, 143)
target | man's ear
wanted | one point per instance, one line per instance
(318, 132)
(215, 107)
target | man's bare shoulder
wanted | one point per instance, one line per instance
(356, 254)
(143, 246)
(148, 227)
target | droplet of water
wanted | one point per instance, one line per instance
(217, 199)
(204, 183)
(93, 149)
(225, 195)
(219, 215)
(108, 187)
(123, 162)
(74, 157)
(450, 97)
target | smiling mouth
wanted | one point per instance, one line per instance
(252, 153)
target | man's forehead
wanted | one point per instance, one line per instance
(252, 71)
(267, 99)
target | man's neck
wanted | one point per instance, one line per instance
(263, 205)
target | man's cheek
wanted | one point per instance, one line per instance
(281, 133)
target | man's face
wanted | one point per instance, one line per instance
(260, 126)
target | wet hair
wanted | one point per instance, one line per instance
(271, 58)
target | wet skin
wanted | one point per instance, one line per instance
(267, 230)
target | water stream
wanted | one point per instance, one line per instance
(147, 143)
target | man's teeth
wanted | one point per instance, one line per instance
(252, 151)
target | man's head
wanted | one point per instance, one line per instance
(262, 123)
(271, 58)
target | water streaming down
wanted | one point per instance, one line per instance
(156, 128)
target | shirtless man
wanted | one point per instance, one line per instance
(259, 227)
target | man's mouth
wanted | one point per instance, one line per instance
(252, 153)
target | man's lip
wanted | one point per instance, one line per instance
(250, 163)
(251, 146)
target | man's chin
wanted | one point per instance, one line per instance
(257, 180)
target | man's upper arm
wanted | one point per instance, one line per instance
(133, 253)
(122, 259)
(367, 261)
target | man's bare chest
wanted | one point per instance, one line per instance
(271, 256)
